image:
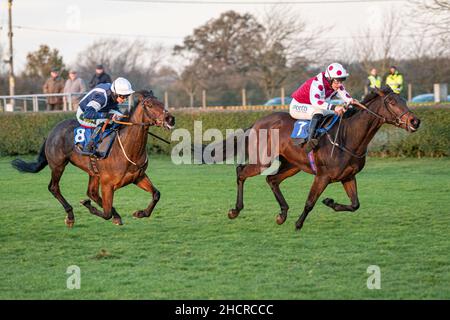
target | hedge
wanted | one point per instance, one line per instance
(23, 133)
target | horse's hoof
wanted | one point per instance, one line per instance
(233, 213)
(281, 218)
(69, 223)
(328, 202)
(86, 202)
(139, 214)
(298, 226)
(117, 221)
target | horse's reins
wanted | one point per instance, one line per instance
(398, 119)
(125, 154)
(334, 143)
(335, 138)
(142, 124)
(397, 122)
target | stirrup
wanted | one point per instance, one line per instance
(298, 141)
(311, 144)
(89, 151)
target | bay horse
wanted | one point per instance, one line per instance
(357, 129)
(125, 164)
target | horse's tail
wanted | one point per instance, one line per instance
(220, 151)
(32, 167)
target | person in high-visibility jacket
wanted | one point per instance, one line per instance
(395, 80)
(373, 80)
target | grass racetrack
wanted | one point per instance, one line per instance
(189, 249)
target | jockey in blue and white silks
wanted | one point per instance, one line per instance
(99, 104)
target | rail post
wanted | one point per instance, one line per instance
(35, 104)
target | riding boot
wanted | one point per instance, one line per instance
(89, 148)
(312, 141)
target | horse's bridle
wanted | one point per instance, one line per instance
(397, 119)
(145, 124)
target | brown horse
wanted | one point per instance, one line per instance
(357, 129)
(125, 164)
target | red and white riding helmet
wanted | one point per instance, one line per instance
(336, 71)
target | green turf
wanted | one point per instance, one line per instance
(189, 249)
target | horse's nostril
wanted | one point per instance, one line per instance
(170, 120)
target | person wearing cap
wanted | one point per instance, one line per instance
(309, 100)
(100, 104)
(100, 76)
(74, 86)
(54, 84)
(395, 80)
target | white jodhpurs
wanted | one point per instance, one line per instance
(303, 111)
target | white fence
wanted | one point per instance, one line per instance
(37, 102)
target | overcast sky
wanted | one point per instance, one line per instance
(70, 25)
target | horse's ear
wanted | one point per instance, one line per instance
(140, 95)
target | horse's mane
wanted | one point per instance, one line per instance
(139, 96)
(374, 93)
(145, 93)
(367, 99)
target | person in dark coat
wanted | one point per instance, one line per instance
(100, 76)
(54, 84)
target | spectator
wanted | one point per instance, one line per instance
(54, 84)
(100, 76)
(74, 85)
(395, 80)
(373, 80)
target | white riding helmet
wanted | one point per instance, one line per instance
(121, 86)
(336, 71)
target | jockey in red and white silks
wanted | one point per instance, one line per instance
(309, 101)
(310, 98)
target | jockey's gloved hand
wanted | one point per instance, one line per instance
(339, 110)
(116, 115)
(353, 101)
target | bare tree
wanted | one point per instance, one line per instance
(432, 18)
(379, 48)
(286, 43)
(434, 15)
(390, 44)
(132, 59)
(190, 81)
(364, 49)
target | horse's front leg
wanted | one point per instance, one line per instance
(144, 183)
(352, 193)
(107, 203)
(93, 193)
(319, 185)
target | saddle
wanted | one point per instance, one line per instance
(300, 131)
(82, 136)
